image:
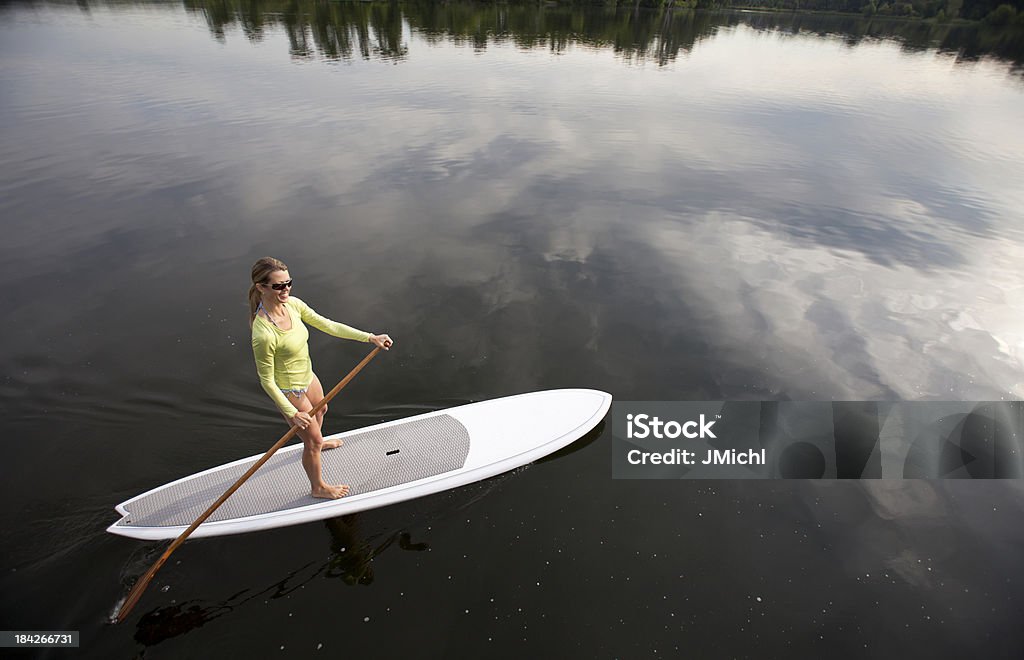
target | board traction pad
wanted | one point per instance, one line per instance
(367, 462)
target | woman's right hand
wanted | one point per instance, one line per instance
(302, 420)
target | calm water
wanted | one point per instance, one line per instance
(664, 206)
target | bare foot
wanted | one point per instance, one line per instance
(330, 492)
(331, 444)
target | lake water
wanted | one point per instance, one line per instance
(666, 206)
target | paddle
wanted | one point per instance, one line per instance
(144, 581)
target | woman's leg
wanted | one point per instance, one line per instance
(313, 443)
(314, 394)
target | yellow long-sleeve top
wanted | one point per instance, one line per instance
(282, 356)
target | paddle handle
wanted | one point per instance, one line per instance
(140, 586)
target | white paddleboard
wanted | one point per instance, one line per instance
(382, 464)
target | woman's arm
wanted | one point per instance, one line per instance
(326, 325)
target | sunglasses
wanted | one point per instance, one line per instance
(280, 286)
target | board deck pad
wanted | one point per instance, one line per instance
(369, 461)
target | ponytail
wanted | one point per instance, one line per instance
(254, 303)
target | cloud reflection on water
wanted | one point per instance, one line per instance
(812, 220)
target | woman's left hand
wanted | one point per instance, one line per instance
(382, 341)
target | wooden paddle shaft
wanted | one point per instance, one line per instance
(144, 581)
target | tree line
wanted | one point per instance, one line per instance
(342, 29)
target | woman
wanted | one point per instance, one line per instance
(279, 344)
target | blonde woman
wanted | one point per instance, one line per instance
(280, 346)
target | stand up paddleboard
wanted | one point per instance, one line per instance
(382, 464)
